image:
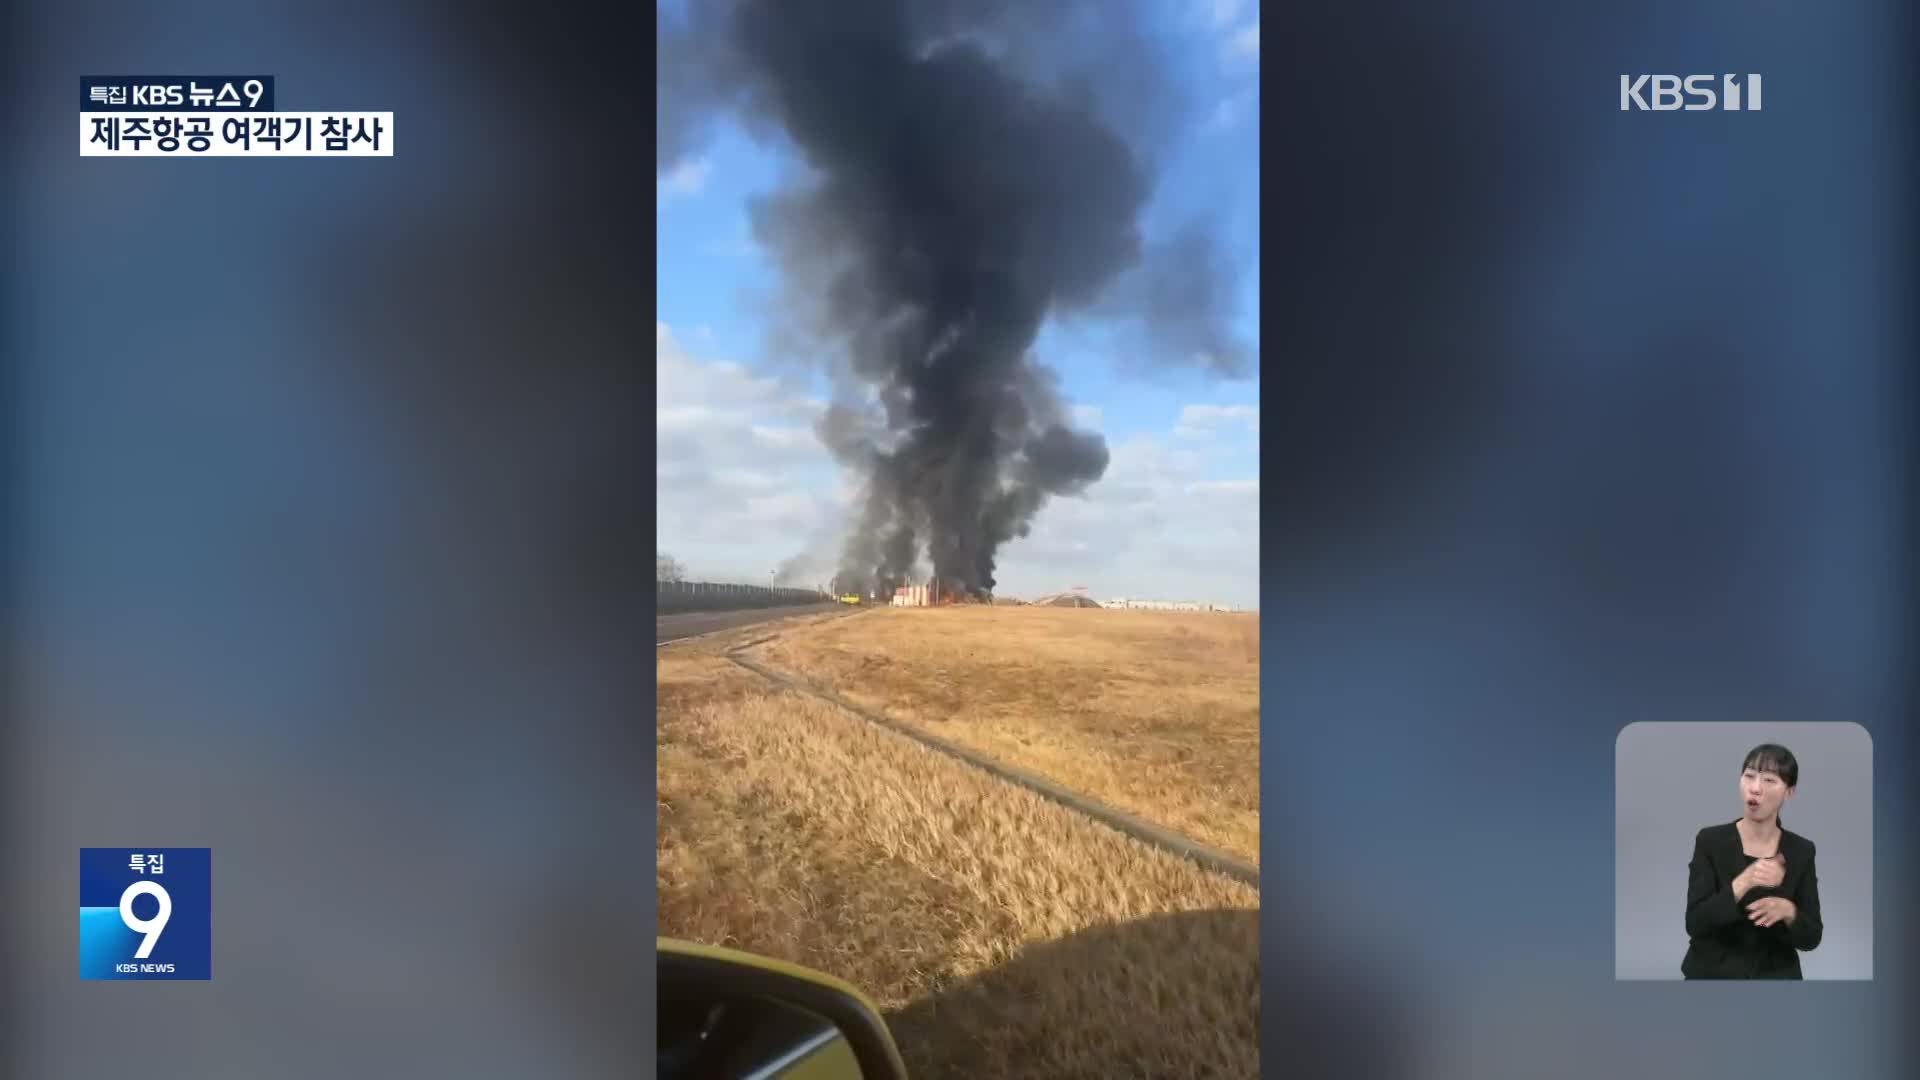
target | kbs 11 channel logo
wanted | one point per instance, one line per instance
(146, 913)
(216, 116)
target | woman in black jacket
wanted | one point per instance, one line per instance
(1753, 900)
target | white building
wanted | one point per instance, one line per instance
(1127, 604)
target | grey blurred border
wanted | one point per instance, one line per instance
(323, 544)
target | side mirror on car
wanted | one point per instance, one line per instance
(727, 1013)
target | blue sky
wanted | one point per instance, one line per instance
(1185, 471)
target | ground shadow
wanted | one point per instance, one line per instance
(1169, 995)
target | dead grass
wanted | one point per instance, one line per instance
(1004, 935)
(1154, 713)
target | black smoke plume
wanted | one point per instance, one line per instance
(958, 190)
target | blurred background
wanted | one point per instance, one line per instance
(328, 501)
(1576, 418)
(328, 483)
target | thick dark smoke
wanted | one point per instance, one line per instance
(958, 191)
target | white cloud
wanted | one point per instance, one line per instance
(790, 512)
(786, 440)
(1226, 488)
(1223, 13)
(679, 420)
(708, 388)
(1199, 422)
(1156, 526)
(688, 176)
(736, 478)
(1221, 414)
(743, 483)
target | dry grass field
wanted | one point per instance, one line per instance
(1155, 713)
(1005, 936)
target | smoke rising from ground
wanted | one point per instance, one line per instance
(960, 187)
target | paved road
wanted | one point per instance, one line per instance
(688, 624)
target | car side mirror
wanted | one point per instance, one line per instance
(729, 1013)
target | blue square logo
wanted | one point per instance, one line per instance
(146, 913)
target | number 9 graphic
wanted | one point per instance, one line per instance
(150, 927)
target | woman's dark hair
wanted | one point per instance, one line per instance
(1774, 758)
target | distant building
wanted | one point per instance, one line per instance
(1128, 604)
(1072, 600)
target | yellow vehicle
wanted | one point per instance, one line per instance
(850, 599)
(727, 1013)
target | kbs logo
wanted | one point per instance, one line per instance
(146, 913)
(1692, 93)
(158, 94)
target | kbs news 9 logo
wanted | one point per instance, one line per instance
(146, 913)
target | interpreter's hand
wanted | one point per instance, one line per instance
(1767, 873)
(1770, 910)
